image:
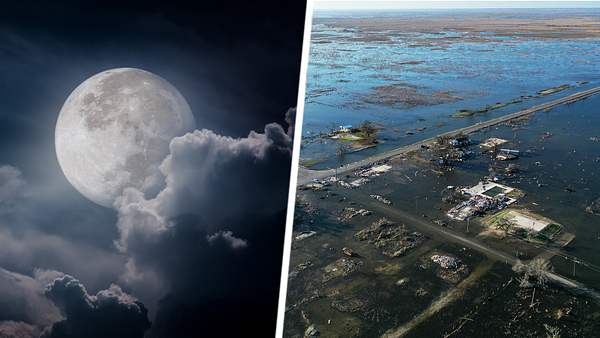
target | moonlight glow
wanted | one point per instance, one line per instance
(114, 131)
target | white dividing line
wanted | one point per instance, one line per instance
(287, 244)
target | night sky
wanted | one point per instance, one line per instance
(71, 268)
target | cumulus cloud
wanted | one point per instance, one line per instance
(108, 313)
(229, 238)
(23, 250)
(201, 249)
(24, 310)
(211, 235)
(217, 177)
(290, 119)
(52, 304)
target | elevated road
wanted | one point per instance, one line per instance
(307, 175)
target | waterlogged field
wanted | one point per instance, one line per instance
(411, 72)
(382, 258)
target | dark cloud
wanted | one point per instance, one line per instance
(183, 252)
(25, 244)
(12, 186)
(52, 304)
(12, 329)
(24, 310)
(109, 313)
(290, 119)
(222, 195)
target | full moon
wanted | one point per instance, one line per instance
(114, 131)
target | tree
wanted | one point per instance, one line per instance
(533, 274)
(552, 331)
(368, 129)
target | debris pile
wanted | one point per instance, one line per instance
(304, 235)
(393, 239)
(340, 268)
(374, 170)
(381, 199)
(358, 182)
(492, 143)
(594, 208)
(507, 154)
(311, 331)
(316, 185)
(348, 304)
(349, 252)
(477, 205)
(350, 212)
(446, 262)
(485, 196)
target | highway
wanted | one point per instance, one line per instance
(307, 175)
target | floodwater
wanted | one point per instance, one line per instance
(559, 173)
(346, 78)
(560, 176)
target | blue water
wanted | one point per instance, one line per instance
(342, 72)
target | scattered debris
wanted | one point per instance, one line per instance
(340, 268)
(381, 199)
(348, 304)
(507, 154)
(349, 252)
(485, 196)
(358, 182)
(506, 157)
(460, 141)
(492, 143)
(450, 269)
(305, 234)
(512, 168)
(375, 170)
(420, 292)
(393, 239)
(402, 281)
(547, 135)
(311, 331)
(594, 208)
(350, 212)
(303, 266)
(446, 262)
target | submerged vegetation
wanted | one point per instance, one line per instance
(544, 92)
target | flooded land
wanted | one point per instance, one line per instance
(495, 229)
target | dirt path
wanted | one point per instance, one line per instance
(442, 301)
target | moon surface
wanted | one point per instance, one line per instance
(114, 131)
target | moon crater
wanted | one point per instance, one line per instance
(114, 131)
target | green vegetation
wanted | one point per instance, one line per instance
(365, 135)
(554, 90)
(544, 92)
(311, 163)
(548, 232)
